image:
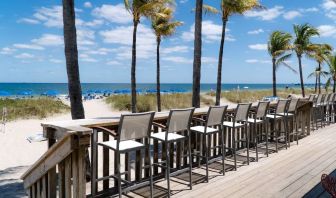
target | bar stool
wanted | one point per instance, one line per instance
(259, 119)
(239, 121)
(132, 127)
(329, 108)
(292, 115)
(179, 120)
(312, 98)
(324, 105)
(318, 111)
(278, 116)
(215, 117)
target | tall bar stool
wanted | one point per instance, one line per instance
(332, 108)
(324, 105)
(214, 118)
(259, 119)
(312, 98)
(292, 115)
(278, 116)
(179, 120)
(318, 110)
(132, 127)
(239, 121)
(328, 108)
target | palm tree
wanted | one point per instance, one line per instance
(228, 8)
(163, 27)
(320, 53)
(196, 98)
(71, 55)
(139, 8)
(317, 74)
(279, 44)
(331, 61)
(302, 45)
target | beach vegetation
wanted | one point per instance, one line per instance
(331, 61)
(32, 108)
(147, 102)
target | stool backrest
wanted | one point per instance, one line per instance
(319, 98)
(331, 97)
(293, 104)
(282, 106)
(311, 97)
(262, 109)
(216, 115)
(179, 120)
(242, 112)
(326, 98)
(135, 126)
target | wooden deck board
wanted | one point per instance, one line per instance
(289, 173)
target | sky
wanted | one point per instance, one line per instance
(32, 49)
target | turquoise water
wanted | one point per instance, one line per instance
(61, 88)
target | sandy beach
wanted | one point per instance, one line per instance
(17, 153)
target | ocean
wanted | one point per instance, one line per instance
(61, 88)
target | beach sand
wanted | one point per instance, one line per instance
(17, 153)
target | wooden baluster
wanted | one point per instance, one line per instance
(52, 182)
(67, 177)
(106, 162)
(61, 179)
(34, 190)
(38, 189)
(79, 172)
(44, 186)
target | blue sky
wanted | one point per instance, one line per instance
(31, 42)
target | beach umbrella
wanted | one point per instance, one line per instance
(125, 91)
(51, 93)
(98, 92)
(4, 93)
(117, 91)
(25, 93)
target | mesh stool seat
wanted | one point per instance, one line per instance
(214, 118)
(132, 128)
(239, 121)
(179, 120)
(279, 116)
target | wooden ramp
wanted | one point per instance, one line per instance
(290, 173)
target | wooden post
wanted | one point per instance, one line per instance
(106, 162)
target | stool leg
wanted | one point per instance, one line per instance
(223, 151)
(190, 161)
(256, 135)
(206, 157)
(234, 147)
(266, 131)
(150, 172)
(119, 174)
(247, 139)
(168, 168)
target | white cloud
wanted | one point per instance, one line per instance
(291, 15)
(178, 48)
(100, 51)
(87, 58)
(49, 40)
(7, 51)
(113, 62)
(254, 61)
(258, 46)
(24, 56)
(183, 1)
(267, 14)
(209, 60)
(113, 13)
(54, 60)
(50, 17)
(28, 21)
(327, 30)
(85, 37)
(88, 4)
(312, 9)
(177, 59)
(257, 31)
(28, 46)
(211, 32)
(93, 23)
(328, 4)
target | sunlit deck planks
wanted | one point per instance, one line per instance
(289, 173)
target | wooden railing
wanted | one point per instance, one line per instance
(70, 140)
(61, 169)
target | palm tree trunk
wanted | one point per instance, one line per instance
(274, 77)
(133, 69)
(158, 94)
(220, 63)
(197, 55)
(301, 75)
(319, 78)
(71, 56)
(316, 84)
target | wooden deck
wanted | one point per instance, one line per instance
(295, 172)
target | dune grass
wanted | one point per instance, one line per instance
(32, 108)
(255, 95)
(148, 102)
